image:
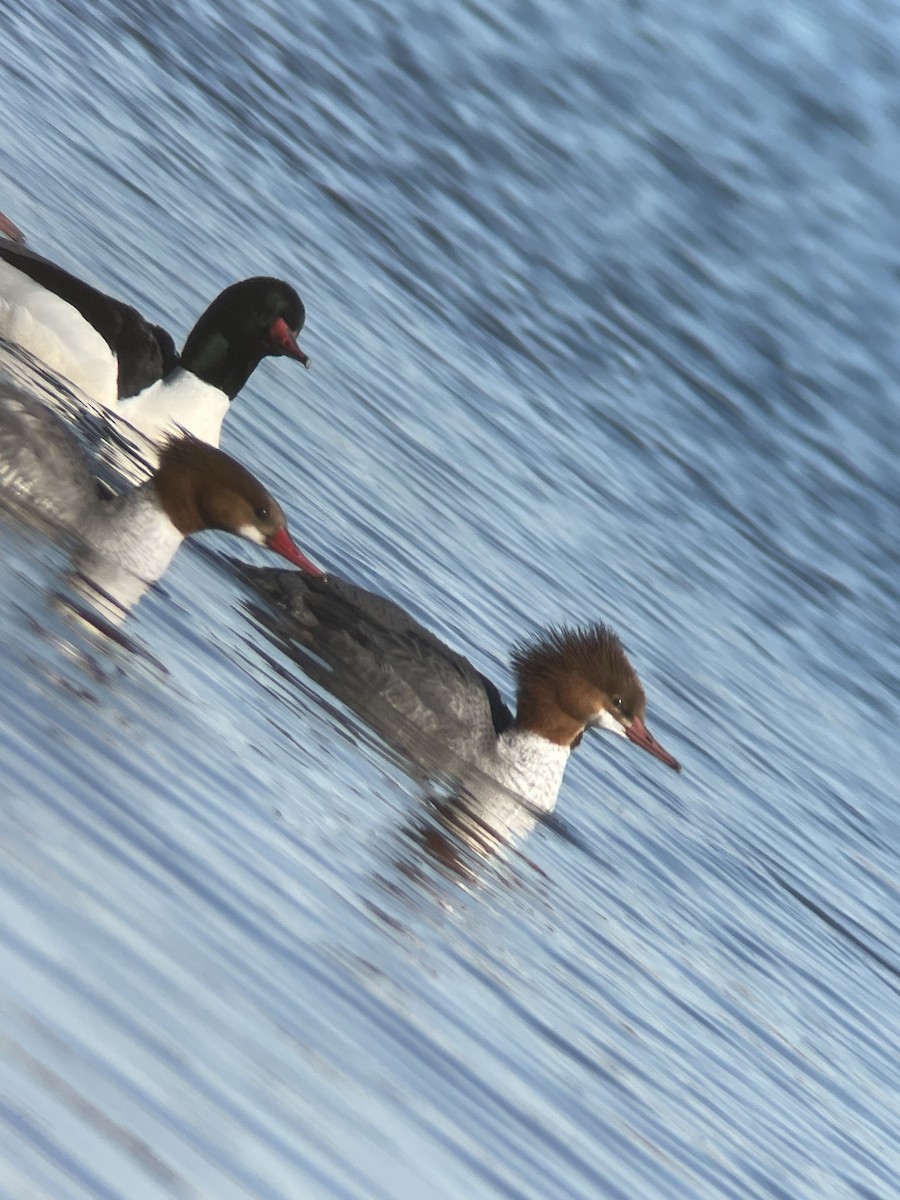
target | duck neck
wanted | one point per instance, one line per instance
(218, 362)
(531, 765)
(133, 530)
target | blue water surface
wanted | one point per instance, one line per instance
(602, 307)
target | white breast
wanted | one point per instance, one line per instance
(55, 332)
(530, 766)
(180, 403)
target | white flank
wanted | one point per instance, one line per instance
(56, 333)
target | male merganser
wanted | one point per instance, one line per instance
(196, 487)
(434, 706)
(120, 360)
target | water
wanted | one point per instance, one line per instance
(602, 310)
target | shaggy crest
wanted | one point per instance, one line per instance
(573, 665)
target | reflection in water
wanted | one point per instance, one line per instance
(463, 827)
(110, 588)
(120, 453)
(103, 615)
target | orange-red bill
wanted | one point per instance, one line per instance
(638, 733)
(283, 340)
(282, 544)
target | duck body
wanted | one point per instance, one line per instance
(433, 705)
(103, 346)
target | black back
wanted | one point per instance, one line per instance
(145, 352)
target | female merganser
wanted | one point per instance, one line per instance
(118, 359)
(196, 487)
(434, 706)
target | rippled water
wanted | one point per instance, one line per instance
(602, 311)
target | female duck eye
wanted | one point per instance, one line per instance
(262, 514)
(618, 702)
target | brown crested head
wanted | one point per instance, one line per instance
(566, 676)
(201, 487)
(570, 679)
